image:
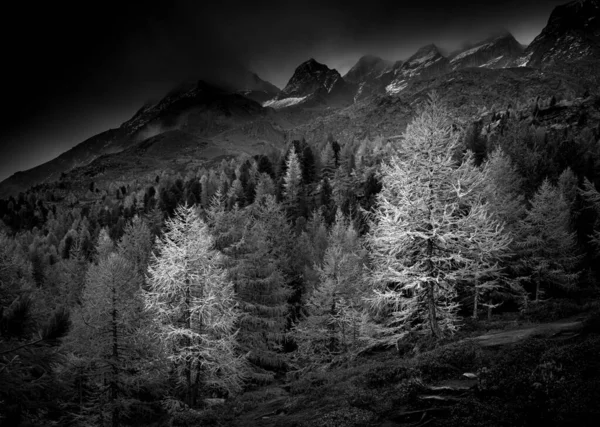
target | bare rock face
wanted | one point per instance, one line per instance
(572, 33)
(313, 83)
(426, 62)
(368, 75)
(496, 52)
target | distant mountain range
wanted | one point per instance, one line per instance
(241, 113)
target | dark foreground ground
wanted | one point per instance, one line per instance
(538, 369)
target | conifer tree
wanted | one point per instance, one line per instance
(194, 304)
(110, 341)
(29, 355)
(136, 245)
(502, 190)
(328, 161)
(265, 186)
(292, 181)
(431, 232)
(257, 269)
(592, 196)
(548, 252)
(333, 321)
(204, 192)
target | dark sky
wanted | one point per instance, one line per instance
(72, 71)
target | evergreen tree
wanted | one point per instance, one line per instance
(548, 248)
(333, 321)
(194, 304)
(257, 269)
(136, 245)
(328, 161)
(105, 330)
(29, 355)
(292, 181)
(592, 197)
(431, 232)
(264, 187)
(503, 190)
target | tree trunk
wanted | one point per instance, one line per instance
(489, 312)
(196, 387)
(188, 364)
(433, 323)
(475, 302)
(332, 340)
(114, 391)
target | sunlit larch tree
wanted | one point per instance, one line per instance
(431, 233)
(194, 304)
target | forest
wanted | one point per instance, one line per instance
(153, 300)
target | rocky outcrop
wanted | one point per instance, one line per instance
(426, 62)
(496, 52)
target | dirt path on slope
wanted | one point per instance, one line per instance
(561, 329)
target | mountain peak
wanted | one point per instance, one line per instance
(314, 80)
(427, 49)
(368, 68)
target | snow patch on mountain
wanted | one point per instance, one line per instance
(278, 104)
(492, 62)
(469, 52)
(396, 87)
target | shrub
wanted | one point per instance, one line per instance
(343, 417)
(448, 360)
(382, 375)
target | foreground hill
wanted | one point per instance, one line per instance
(503, 372)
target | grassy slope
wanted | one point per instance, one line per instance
(544, 378)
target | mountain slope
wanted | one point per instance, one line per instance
(496, 52)
(572, 33)
(368, 75)
(426, 62)
(200, 110)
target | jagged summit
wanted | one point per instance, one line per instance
(310, 77)
(314, 82)
(369, 75)
(367, 68)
